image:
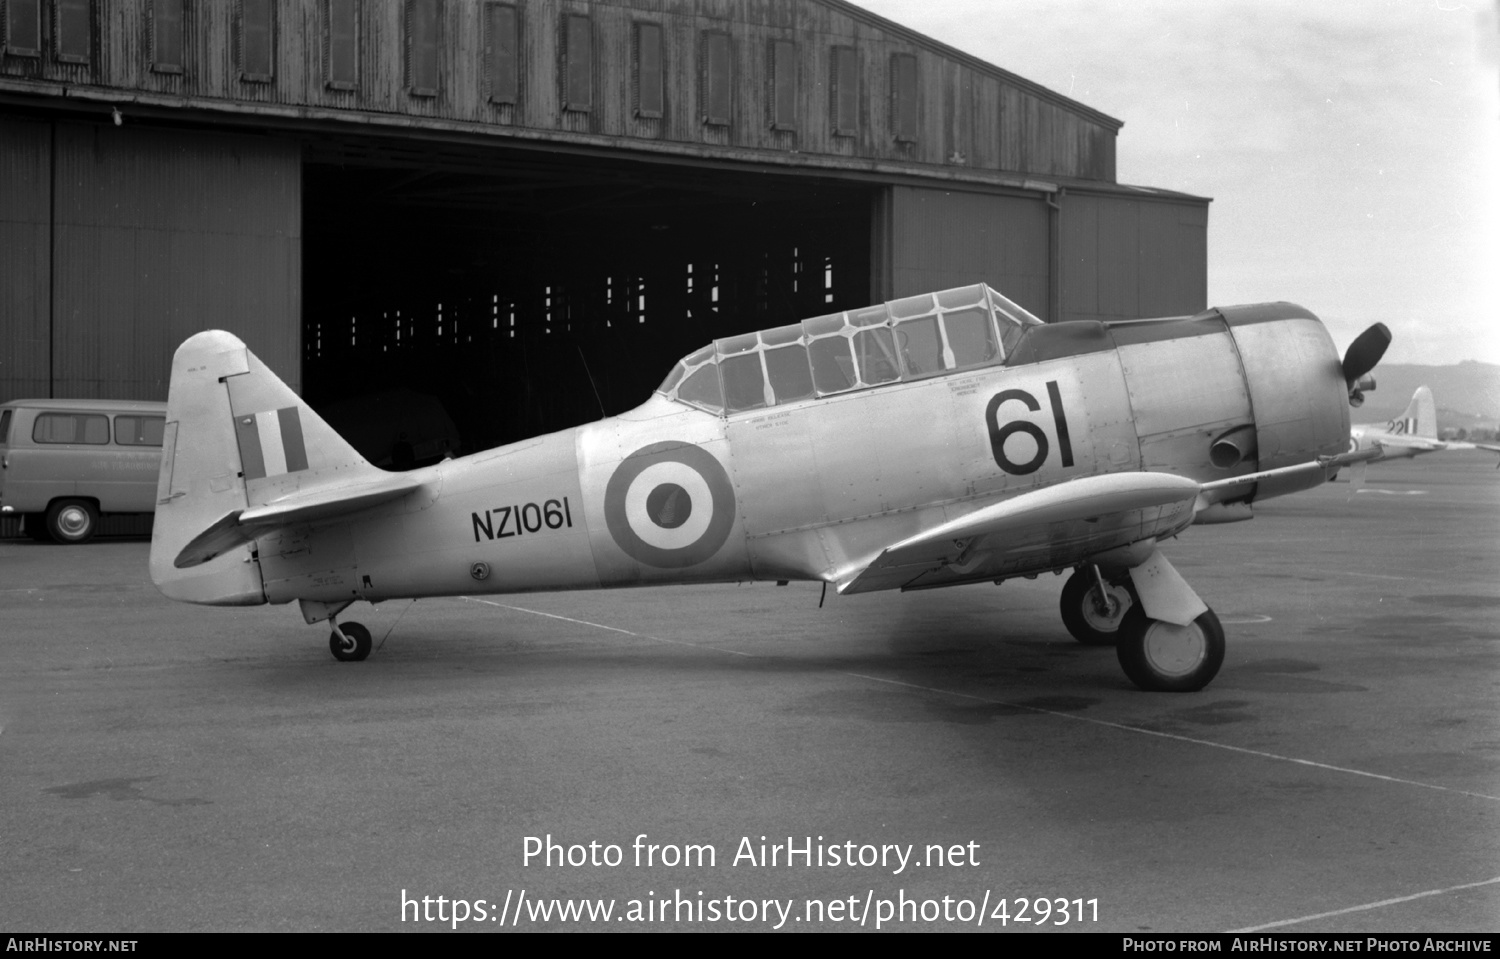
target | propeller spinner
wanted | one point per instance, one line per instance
(1361, 357)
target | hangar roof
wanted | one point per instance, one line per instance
(816, 84)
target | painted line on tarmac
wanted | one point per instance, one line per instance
(1035, 709)
(1187, 739)
(613, 629)
(1395, 492)
(1368, 906)
(1249, 620)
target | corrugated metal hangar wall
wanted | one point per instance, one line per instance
(528, 209)
(118, 244)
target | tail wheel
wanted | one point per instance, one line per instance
(1091, 619)
(72, 520)
(353, 646)
(1162, 657)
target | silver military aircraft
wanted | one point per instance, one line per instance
(932, 441)
(1414, 431)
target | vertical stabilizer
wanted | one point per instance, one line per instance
(237, 437)
(1420, 418)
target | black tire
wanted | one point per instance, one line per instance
(1085, 622)
(72, 521)
(358, 635)
(35, 526)
(1161, 657)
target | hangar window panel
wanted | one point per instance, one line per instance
(23, 28)
(791, 378)
(423, 45)
(649, 88)
(783, 85)
(502, 52)
(717, 75)
(876, 351)
(341, 45)
(904, 97)
(578, 68)
(140, 430)
(971, 337)
(166, 36)
(88, 428)
(72, 22)
(921, 346)
(844, 89)
(257, 39)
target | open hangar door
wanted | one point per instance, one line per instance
(527, 292)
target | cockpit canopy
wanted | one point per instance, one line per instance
(906, 339)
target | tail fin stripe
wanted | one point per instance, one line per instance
(291, 439)
(252, 463)
(271, 447)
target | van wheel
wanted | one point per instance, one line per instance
(72, 520)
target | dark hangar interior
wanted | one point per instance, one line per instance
(489, 220)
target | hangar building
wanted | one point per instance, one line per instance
(527, 208)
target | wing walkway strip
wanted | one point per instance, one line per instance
(1035, 709)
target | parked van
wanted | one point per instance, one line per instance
(64, 462)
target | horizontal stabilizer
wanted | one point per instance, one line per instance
(308, 506)
(243, 455)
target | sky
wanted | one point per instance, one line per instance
(1351, 147)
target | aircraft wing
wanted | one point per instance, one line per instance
(304, 506)
(1112, 510)
(1419, 443)
(1051, 526)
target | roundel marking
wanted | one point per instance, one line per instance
(669, 505)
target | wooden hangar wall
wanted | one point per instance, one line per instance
(528, 209)
(116, 244)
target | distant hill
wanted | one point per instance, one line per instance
(1467, 394)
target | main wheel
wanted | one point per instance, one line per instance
(72, 520)
(1089, 621)
(356, 649)
(1161, 657)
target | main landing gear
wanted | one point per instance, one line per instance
(1163, 657)
(1093, 606)
(349, 642)
(1178, 650)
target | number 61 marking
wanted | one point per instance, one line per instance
(999, 434)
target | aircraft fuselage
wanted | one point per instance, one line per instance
(810, 488)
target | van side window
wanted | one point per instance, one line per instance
(139, 430)
(4, 426)
(91, 428)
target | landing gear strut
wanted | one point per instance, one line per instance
(349, 643)
(1093, 607)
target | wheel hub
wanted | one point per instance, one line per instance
(73, 521)
(1105, 615)
(1175, 650)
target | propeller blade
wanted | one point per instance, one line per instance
(1365, 352)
